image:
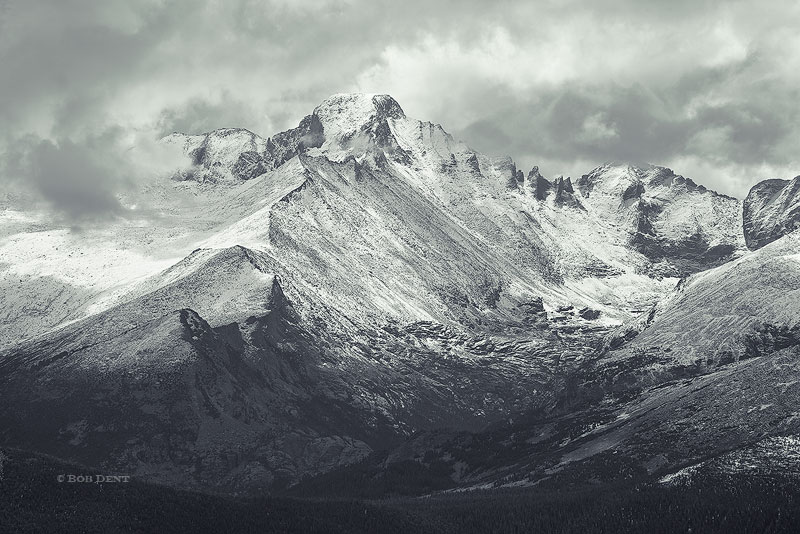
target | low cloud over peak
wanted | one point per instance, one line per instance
(707, 88)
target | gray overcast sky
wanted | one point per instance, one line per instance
(707, 88)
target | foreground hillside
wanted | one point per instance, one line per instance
(32, 500)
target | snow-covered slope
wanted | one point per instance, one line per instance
(680, 226)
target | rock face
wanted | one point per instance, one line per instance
(680, 226)
(296, 302)
(564, 193)
(237, 154)
(771, 210)
(536, 185)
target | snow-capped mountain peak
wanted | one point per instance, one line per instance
(357, 123)
(344, 114)
(221, 150)
(666, 215)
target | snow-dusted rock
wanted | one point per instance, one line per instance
(771, 209)
(234, 154)
(745, 308)
(676, 223)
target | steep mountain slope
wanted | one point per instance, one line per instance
(285, 306)
(254, 396)
(745, 308)
(771, 209)
(709, 371)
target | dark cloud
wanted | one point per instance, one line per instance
(707, 87)
(80, 181)
(199, 116)
(73, 180)
(598, 123)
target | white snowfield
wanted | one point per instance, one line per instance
(389, 218)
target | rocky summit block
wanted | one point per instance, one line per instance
(771, 210)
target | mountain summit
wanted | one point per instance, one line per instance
(344, 114)
(343, 124)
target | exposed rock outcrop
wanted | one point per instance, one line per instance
(771, 210)
(676, 223)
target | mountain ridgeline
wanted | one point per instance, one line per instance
(364, 296)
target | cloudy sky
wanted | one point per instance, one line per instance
(710, 89)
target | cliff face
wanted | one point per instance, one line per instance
(771, 210)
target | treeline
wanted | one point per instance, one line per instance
(748, 505)
(32, 500)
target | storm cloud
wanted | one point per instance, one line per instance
(708, 88)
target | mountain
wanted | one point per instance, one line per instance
(771, 209)
(232, 154)
(719, 316)
(678, 225)
(253, 395)
(286, 306)
(707, 380)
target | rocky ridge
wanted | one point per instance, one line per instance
(342, 286)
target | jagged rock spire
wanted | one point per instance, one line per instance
(537, 185)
